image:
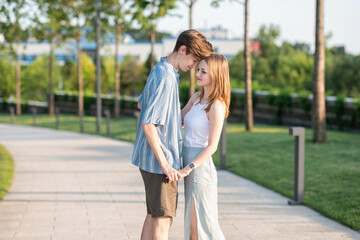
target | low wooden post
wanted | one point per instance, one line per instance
(34, 115)
(107, 114)
(57, 115)
(12, 113)
(81, 115)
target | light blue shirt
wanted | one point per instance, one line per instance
(160, 105)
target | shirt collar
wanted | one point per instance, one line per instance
(164, 61)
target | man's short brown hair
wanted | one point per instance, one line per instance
(196, 44)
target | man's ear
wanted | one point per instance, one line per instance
(182, 50)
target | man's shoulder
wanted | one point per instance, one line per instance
(162, 74)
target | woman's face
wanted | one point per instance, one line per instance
(202, 75)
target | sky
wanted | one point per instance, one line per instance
(296, 19)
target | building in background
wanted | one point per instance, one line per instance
(221, 39)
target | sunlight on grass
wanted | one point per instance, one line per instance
(270, 129)
(6, 171)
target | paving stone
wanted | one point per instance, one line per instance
(78, 186)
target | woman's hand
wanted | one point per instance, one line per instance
(183, 173)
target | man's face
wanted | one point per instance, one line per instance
(188, 62)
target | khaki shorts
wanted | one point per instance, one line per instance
(161, 196)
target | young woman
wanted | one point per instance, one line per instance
(203, 118)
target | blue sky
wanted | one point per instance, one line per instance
(296, 19)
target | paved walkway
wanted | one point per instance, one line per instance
(77, 186)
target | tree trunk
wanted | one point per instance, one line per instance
(152, 32)
(18, 86)
(192, 71)
(117, 72)
(248, 88)
(80, 79)
(51, 79)
(318, 103)
(98, 67)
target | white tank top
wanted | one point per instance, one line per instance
(196, 126)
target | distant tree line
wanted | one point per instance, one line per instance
(287, 67)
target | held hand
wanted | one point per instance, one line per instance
(183, 173)
(171, 174)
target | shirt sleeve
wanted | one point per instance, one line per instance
(156, 103)
(140, 98)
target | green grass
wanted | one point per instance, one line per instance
(6, 171)
(123, 128)
(266, 156)
(332, 170)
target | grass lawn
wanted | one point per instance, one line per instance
(266, 156)
(123, 128)
(332, 170)
(6, 171)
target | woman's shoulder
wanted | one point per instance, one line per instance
(218, 105)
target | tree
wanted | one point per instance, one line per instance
(267, 37)
(140, 36)
(52, 29)
(7, 73)
(32, 88)
(70, 71)
(248, 89)
(134, 76)
(13, 22)
(247, 59)
(117, 12)
(78, 11)
(318, 103)
(192, 71)
(148, 13)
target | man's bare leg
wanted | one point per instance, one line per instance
(162, 228)
(147, 231)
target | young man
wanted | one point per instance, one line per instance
(157, 149)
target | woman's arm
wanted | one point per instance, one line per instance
(188, 106)
(217, 114)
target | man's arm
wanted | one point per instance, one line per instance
(153, 139)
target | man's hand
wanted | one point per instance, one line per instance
(172, 174)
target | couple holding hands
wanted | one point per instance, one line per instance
(162, 154)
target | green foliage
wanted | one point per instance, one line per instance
(332, 173)
(147, 64)
(267, 37)
(291, 66)
(13, 22)
(35, 79)
(282, 102)
(305, 102)
(339, 110)
(141, 36)
(133, 76)
(108, 75)
(149, 11)
(70, 75)
(343, 74)
(6, 171)
(7, 79)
